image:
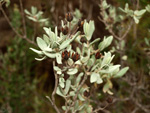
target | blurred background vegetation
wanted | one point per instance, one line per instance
(24, 82)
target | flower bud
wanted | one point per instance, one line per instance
(69, 17)
(64, 30)
(83, 40)
(80, 23)
(66, 77)
(110, 20)
(98, 55)
(86, 93)
(109, 100)
(75, 57)
(65, 55)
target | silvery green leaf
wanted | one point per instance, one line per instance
(62, 85)
(70, 61)
(147, 41)
(68, 41)
(78, 14)
(65, 44)
(88, 29)
(43, 20)
(56, 68)
(84, 59)
(79, 78)
(139, 13)
(64, 108)
(47, 30)
(136, 20)
(27, 12)
(78, 50)
(69, 48)
(90, 62)
(148, 8)
(125, 57)
(111, 69)
(62, 23)
(109, 92)
(39, 14)
(37, 51)
(94, 67)
(72, 71)
(78, 62)
(96, 40)
(76, 105)
(31, 18)
(40, 59)
(107, 59)
(61, 82)
(105, 43)
(46, 39)
(80, 97)
(41, 43)
(121, 72)
(58, 58)
(94, 77)
(59, 92)
(89, 109)
(72, 93)
(105, 5)
(99, 80)
(48, 49)
(107, 86)
(33, 10)
(67, 87)
(50, 55)
(59, 72)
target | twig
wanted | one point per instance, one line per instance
(127, 31)
(110, 28)
(99, 109)
(19, 35)
(23, 19)
(53, 104)
(54, 91)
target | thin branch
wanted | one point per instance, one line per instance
(23, 18)
(53, 104)
(99, 109)
(54, 91)
(19, 35)
(127, 31)
(110, 28)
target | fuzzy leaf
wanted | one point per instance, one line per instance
(50, 55)
(72, 71)
(67, 87)
(37, 51)
(121, 72)
(58, 58)
(41, 43)
(94, 77)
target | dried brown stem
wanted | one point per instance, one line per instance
(54, 91)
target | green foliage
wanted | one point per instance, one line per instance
(99, 69)
(35, 15)
(15, 71)
(136, 15)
